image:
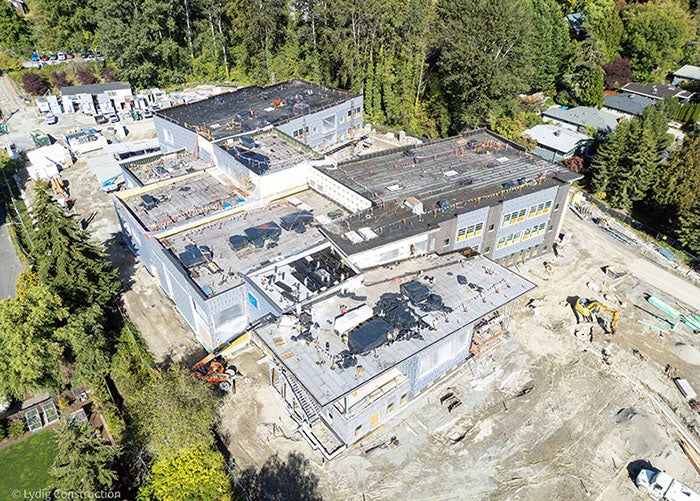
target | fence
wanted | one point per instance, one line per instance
(694, 260)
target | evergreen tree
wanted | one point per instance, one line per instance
(676, 191)
(83, 463)
(606, 163)
(30, 355)
(550, 43)
(67, 262)
(689, 229)
(483, 57)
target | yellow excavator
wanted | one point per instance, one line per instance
(589, 307)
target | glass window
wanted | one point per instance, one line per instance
(491, 228)
(358, 431)
(446, 242)
(521, 215)
(390, 408)
(404, 398)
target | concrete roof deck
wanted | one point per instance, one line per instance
(327, 385)
(279, 150)
(183, 199)
(468, 181)
(252, 108)
(149, 171)
(234, 264)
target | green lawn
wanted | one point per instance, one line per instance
(25, 464)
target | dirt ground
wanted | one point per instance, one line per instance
(581, 432)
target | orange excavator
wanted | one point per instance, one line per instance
(214, 370)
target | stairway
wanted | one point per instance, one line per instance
(308, 405)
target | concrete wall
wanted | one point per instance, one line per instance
(172, 137)
(336, 191)
(422, 369)
(394, 251)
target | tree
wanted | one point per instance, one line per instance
(549, 43)
(482, 57)
(14, 29)
(602, 20)
(196, 472)
(173, 412)
(584, 84)
(657, 35)
(675, 193)
(689, 229)
(29, 355)
(66, 261)
(83, 463)
(34, 84)
(64, 24)
(617, 73)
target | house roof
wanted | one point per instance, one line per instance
(94, 88)
(556, 138)
(689, 72)
(583, 116)
(656, 91)
(626, 102)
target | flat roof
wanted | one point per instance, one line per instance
(155, 168)
(273, 150)
(556, 138)
(311, 362)
(186, 198)
(233, 264)
(656, 91)
(585, 116)
(94, 88)
(253, 108)
(627, 102)
(688, 71)
(467, 177)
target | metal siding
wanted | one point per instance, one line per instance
(315, 120)
(466, 220)
(524, 202)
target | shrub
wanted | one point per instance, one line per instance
(3, 432)
(34, 84)
(63, 403)
(59, 79)
(16, 428)
(84, 75)
(108, 74)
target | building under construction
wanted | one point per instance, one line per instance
(364, 281)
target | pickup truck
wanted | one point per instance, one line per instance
(662, 486)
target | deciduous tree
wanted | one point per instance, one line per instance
(195, 472)
(173, 412)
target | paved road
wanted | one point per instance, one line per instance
(10, 265)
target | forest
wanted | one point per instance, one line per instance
(431, 68)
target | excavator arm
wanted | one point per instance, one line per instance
(588, 307)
